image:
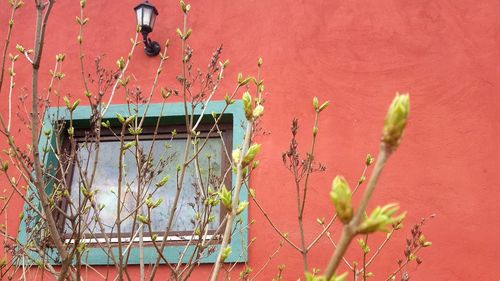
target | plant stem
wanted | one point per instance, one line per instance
(350, 230)
(235, 202)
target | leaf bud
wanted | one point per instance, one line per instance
(5, 166)
(120, 63)
(236, 156)
(395, 120)
(163, 181)
(20, 48)
(247, 105)
(120, 118)
(258, 111)
(315, 131)
(253, 150)
(342, 199)
(241, 207)
(323, 106)
(315, 104)
(369, 160)
(225, 197)
(179, 33)
(188, 33)
(381, 218)
(225, 253)
(183, 6)
(143, 219)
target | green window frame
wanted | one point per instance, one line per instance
(172, 113)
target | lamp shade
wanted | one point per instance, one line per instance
(146, 14)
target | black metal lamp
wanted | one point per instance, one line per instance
(146, 14)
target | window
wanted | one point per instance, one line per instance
(165, 153)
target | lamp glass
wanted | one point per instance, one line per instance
(146, 18)
(138, 13)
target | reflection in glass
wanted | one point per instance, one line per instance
(166, 155)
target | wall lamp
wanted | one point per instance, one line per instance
(146, 14)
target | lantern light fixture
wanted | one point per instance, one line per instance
(146, 15)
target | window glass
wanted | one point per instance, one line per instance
(166, 155)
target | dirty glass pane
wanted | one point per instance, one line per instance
(166, 155)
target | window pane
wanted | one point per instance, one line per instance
(166, 155)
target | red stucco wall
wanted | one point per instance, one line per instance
(356, 54)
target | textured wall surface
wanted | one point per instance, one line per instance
(356, 54)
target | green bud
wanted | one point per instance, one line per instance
(259, 62)
(149, 202)
(423, 242)
(129, 145)
(225, 197)
(120, 118)
(135, 131)
(323, 106)
(245, 81)
(124, 82)
(120, 63)
(188, 33)
(315, 131)
(67, 102)
(143, 219)
(163, 181)
(381, 219)
(241, 207)
(251, 153)
(60, 57)
(129, 119)
(75, 105)
(395, 121)
(5, 166)
(255, 164)
(258, 111)
(165, 94)
(183, 6)
(342, 199)
(369, 160)
(363, 246)
(236, 156)
(179, 33)
(225, 253)
(315, 103)
(427, 244)
(261, 88)
(228, 99)
(247, 105)
(20, 48)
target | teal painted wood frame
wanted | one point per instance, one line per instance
(172, 113)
